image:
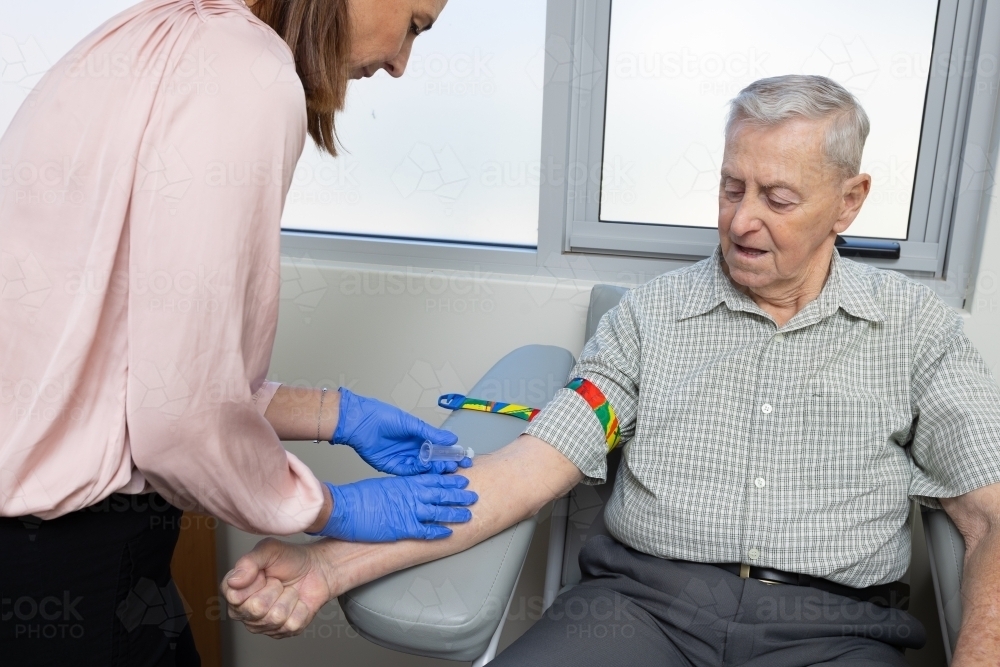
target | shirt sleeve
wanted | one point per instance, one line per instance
(262, 397)
(610, 360)
(956, 439)
(210, 180)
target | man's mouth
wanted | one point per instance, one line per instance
(749, 252)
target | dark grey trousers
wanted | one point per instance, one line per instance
(636, 609)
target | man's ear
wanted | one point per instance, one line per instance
(854, 191)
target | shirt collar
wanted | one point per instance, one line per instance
(845, 288)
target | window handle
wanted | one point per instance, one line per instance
(859, 247)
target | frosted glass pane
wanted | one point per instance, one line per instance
(449, 151)
(673, 66)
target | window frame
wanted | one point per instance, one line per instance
(958, 141)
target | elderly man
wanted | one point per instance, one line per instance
(778, 406)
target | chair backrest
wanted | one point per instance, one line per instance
(946, 557)
(586, 503)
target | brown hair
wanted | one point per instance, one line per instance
(318, 33)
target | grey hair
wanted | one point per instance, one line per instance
(779, 98)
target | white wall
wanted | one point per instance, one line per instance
(408, 336)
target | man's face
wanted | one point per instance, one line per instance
(781, 204)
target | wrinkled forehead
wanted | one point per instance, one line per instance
(793, 150)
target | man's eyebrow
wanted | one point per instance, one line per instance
(779, 184)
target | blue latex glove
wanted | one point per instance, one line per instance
(386, 509)
(389, 439)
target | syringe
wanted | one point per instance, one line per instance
(431, 452)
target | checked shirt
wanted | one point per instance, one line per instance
(797, 447)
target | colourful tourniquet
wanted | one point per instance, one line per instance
(599, 404)
(459, 402)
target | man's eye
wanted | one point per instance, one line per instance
(778, 204)
(414, 28)
(734, 194)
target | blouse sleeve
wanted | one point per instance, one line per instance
(212, 173)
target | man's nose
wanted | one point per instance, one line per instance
(747, 218)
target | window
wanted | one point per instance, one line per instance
(662, 74)
(450, 151)
(648, 102)
(580, 139)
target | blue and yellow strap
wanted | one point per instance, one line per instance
(460, 402)
(587, 389)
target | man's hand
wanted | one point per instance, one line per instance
(277, 588)
(389, 439)
(977, 516)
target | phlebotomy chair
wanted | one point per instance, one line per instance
(454, 608)
(580, 515)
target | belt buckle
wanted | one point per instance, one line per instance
(745, 574)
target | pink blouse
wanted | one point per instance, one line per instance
(141, 190)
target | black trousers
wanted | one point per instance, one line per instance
(635, 609)
(93, 587)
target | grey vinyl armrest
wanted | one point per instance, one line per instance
(946, 554)
(451, 607)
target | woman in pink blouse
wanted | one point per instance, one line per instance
(138, 307)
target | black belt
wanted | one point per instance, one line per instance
(894, 596)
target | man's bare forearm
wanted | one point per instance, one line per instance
(294, 413)
(979, 639)
(513, 484)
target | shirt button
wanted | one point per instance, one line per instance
(753, 554)
(760, 482)
(766, 408)
(778, 337)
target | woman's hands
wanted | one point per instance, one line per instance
(386, 509)
(389, 439)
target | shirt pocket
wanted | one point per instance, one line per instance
(845, 434)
